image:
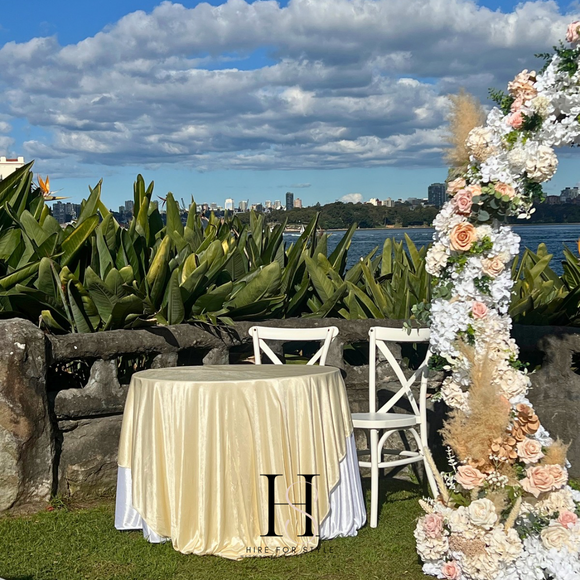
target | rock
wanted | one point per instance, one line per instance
(88, 459)
(102, 395)
(26, 440)
(555, 392)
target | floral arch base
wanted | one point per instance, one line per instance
(505, 511)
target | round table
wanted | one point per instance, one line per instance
(246, 460)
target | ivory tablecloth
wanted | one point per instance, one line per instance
(197, 442)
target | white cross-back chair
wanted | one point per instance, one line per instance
(260, 334)
(382, 424)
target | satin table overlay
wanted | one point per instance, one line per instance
(247, 460)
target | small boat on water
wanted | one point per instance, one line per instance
(295, 230)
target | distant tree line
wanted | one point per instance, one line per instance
(340, 215)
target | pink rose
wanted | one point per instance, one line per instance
(539, 480)
(478, 310)
(505, 189)
(559, 474)
(469, 477)
(462, 201)
(454, 186)
(451, 570)
(567, 519)
(433, 525)
(530, 450)
(517, 105)
(572, 34)
(515, 120)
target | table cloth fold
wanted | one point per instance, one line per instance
(199, 443)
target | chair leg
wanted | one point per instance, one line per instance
(374, 478)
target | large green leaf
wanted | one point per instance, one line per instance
(264, 285)
(77, 239)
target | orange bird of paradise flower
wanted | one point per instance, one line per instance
(44, 185)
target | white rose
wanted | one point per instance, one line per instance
(555, 536)
(482, 513)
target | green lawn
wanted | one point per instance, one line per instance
(83, 544)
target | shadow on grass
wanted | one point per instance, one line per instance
(393, 490)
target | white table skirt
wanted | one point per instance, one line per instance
(347, 507)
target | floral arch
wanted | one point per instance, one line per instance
(506, 511)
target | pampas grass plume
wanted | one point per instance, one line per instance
(466, 113)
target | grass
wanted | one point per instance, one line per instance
(83, 544)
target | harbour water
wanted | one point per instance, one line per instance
(555, 236)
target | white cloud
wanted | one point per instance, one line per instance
(351, 198)
(348, 82)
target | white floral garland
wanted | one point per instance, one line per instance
(538, 537)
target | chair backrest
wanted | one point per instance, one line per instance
(378, 339)
(260, 334)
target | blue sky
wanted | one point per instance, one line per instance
(250, 100)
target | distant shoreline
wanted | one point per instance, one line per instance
(386, 229)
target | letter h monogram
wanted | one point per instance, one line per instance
(308, 477)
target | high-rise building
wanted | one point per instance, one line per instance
(268, 204)
(289, 200)
(298, 203)
(213, 206)
(129, 206)
(277, 204)
(243, 205)
(388, 202)
(568, 194)
(437, 194)
(229, 204)
(65, 212)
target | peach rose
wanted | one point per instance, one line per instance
(493, 266)
(474, 189)
(469, 477)
(462, 237)
(515, 120)
(479, 310)
(530, 450)
(573, 32)
(462, 201)
(567, 519)
(505, 189)
(454, 186)
(539, 480)
(433, 525)
(451, 570)
(559, 474)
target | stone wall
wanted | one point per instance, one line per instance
(62, 397)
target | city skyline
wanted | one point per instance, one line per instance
(235, 102)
